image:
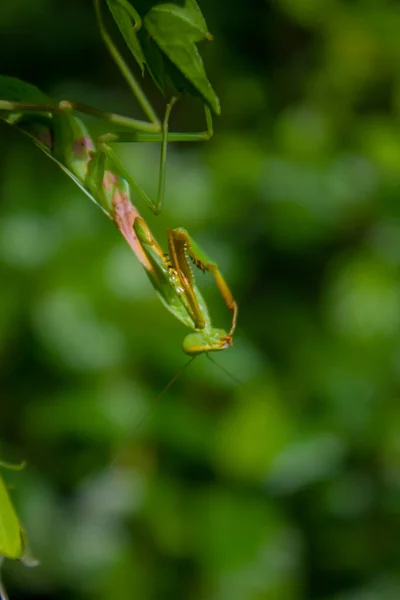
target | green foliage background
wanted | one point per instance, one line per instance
(286, 487)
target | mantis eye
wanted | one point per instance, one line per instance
(197, 343)
(226, 345)
(194, 343)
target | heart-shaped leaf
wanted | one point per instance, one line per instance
(15, 90)
(165, 41)
(128, 21)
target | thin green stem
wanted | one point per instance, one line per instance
(125, 70)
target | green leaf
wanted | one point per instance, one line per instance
(176, 30)
(11, 534)
(166, 43)
(35, 125)
(124, 15)
(15, 90)
(39, 127)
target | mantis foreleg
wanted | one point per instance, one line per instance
(181, 244)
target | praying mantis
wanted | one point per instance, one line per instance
(171, 58)
(95, 168)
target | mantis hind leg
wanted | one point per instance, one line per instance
(139, 131)
(103, 143)
(65, 106)
(181, 245)
(17, 110)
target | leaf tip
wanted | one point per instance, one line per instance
(215, 104)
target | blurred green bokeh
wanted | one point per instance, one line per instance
(287, 486)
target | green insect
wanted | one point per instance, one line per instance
(95, 168)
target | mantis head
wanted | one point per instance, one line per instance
(210, 341)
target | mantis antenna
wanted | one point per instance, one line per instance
(237, 381)
(176, 376)
(161, 394)
(155, 401)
